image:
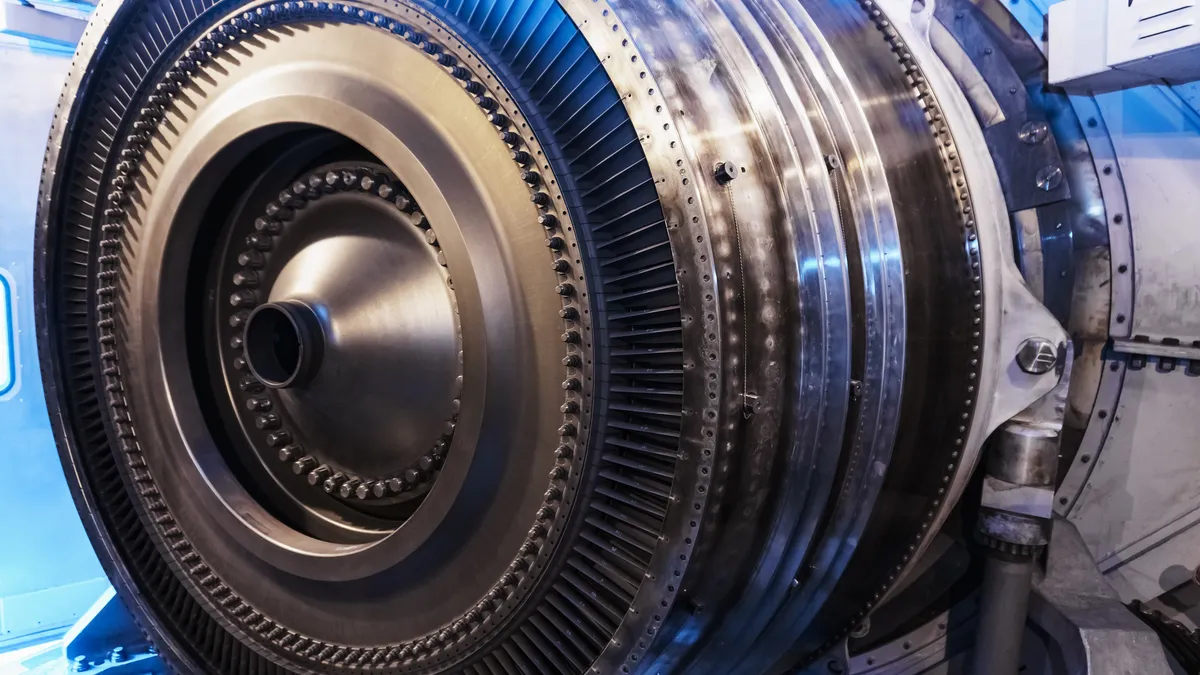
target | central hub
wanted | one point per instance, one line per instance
(346, 318)
(283, 343)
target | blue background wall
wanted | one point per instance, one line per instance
(48, 573)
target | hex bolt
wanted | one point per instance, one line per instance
(266, 226)
(304, 465)
(250, 258)
(276, 439)
(332, 483)
(1037, 356)
(1049, 178)
(725, 172)
(319, 475)
(243, 299)
(258, 404)
(349, 487)
(1033, 132)
(117, 655)
(547, 220)
(259, 241)
(245, 278)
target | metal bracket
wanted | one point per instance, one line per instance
(1095, 633)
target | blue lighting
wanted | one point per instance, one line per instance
(8, 336)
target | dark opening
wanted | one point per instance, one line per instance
(273, 346)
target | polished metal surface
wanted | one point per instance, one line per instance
(557, 337)
(390, 348)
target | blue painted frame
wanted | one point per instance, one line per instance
(8, 310)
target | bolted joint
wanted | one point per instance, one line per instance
(725, 172)
(1037, 356)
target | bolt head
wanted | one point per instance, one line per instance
(1034, 132)
(725, 172)
(1049, 178)
(1037, 356)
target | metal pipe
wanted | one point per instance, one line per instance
(1014, 523)
(1004, 604)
